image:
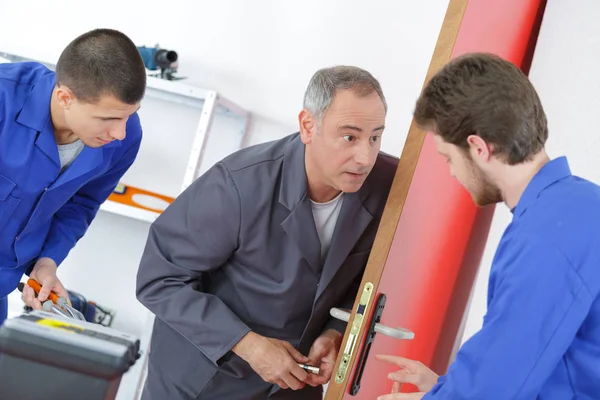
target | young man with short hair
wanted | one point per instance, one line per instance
(541, 335)
(66, 138)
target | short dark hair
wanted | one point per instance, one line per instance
(102, 62)
(485, 95)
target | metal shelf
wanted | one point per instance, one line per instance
(209, 104)
(129, 211)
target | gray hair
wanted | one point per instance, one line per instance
(327, 81)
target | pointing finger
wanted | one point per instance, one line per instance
(404, 377)
(397, 360)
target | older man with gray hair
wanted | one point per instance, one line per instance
(242, 269)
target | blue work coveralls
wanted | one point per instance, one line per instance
(541, 334)
(43, 212)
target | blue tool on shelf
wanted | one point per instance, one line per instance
(164, 60)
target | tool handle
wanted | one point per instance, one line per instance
(37, 287)
(310, 368)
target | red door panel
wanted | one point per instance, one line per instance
(440, 236)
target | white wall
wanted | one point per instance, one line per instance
(565, 74)
(260, 54)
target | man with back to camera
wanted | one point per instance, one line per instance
(242, 268)
(541, 335)
(66, 138)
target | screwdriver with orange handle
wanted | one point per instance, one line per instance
(54, 303)
(35, 285)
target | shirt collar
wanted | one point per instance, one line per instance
(550, 173)
(36, 111)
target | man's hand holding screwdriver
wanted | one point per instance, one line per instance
(275, 361)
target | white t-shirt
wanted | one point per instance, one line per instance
(326, 215)
(68, 153)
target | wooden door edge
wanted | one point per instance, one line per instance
(397, 197)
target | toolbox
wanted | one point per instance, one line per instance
(44, 355)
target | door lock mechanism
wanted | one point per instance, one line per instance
(358, 323)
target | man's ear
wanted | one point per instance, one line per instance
(308, 126)
(65, 96)
(479, 148)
